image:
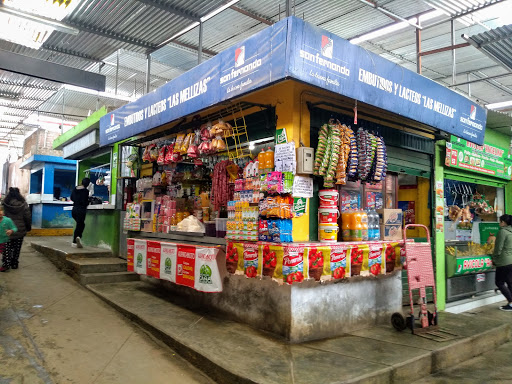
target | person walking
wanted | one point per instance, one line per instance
(502, 259)
(7, 228)
(80, 198)
(16, 208)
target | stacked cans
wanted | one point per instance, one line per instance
(328, 216)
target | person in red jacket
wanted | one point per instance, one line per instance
(80, 198)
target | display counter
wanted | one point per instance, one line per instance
(265, 290)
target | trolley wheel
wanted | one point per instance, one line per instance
(398, 321)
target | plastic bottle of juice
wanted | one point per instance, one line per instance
(346, 233)
(364, 226)
(269, 160)
(261, 162)
(356, 226)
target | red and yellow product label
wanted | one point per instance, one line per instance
(153, 259)
(376, 263)
(251, 262)
(340, 267)
(129, 254)
(293, 264)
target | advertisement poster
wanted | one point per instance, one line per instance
(440, 202)
(409, 212)
(168, 261)
(186, 263)
(293, 264)
(484, 159)
(129, 254)
(486, 230)
(207, 277)
(140, 256)
(153, 259)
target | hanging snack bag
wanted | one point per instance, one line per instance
(146, 156)
(161, 155)
(153, 153)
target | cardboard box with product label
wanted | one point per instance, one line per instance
(391, 221)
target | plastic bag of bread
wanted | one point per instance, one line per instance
(190, 224)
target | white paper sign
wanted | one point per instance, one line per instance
(302, 186)
(140, 253)
(207, 276)
(168, 262)
(284, 157)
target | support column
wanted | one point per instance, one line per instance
(418, 49)
(200, 47)
(438, 233)
(454, 70)
(117, 70)
(48, 182)
(148, 72)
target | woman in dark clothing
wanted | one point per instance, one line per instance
(80, 198)
(16, 208)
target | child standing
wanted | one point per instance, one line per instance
(7, 228)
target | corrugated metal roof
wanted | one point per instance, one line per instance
(130, 27)
(496, 44)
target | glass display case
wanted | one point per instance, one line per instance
(469, 269)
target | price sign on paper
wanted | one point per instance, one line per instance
(302, 186)
(284, 157)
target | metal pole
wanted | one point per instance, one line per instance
(469, 85)
(148, 71)
(62, 119)
(454, 70)
(288, 8)
(200, 48)
(418, 50)
(117, 69)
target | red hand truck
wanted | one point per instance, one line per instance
(420, 275)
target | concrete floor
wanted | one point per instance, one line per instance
(52, 330)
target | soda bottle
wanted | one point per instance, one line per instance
(364, 226)
(346, 233)
(269, 160)
(261, 162)
(376, 222)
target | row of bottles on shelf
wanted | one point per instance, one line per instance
(264, 163)
(360, 225)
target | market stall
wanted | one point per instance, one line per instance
(474, 192)
(99, 165)
(266, 146)
(51, 183)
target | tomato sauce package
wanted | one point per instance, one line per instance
(272, 260)
(358, 254)
(318, 262)
(231, 257)
(251, 260)
(390, 256)
(376, 263)
(339, 266)
(293, 264)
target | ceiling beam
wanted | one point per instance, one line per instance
(42, 112)
(109, 34)
(194, 48)
(18, 84)
(390, 14)
(251, 15)
(42, 69)
(70, 52)
(170, 9)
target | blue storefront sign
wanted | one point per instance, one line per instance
(293, 48)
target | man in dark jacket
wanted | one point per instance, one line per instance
(16, 208)
(80, 198)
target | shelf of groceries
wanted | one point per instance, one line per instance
(253, 203)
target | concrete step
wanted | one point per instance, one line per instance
(97, 265)
(59, 251)
(231, 352)
(109, 277)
